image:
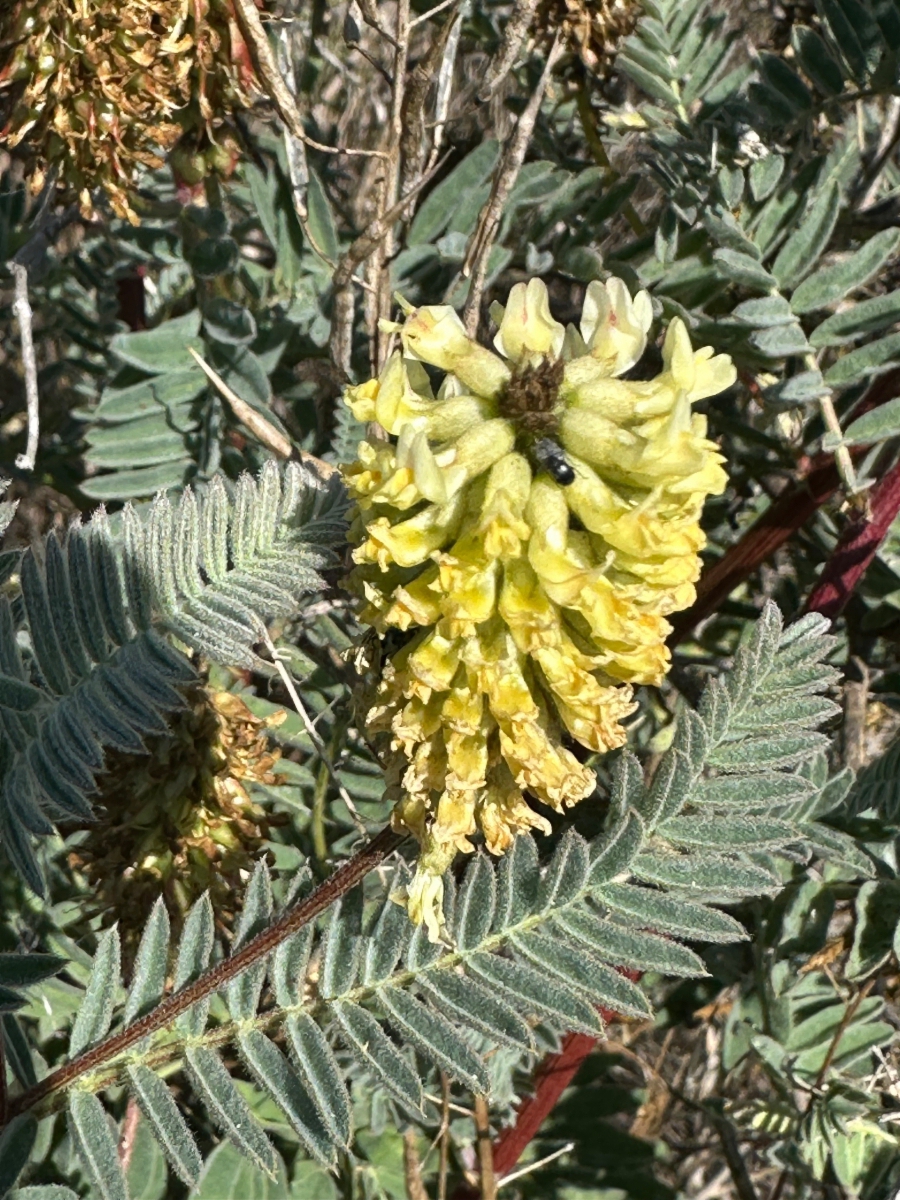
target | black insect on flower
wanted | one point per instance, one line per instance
(553, 459)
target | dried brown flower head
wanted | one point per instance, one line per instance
(95, 89)
(179, 819)
(594, 29)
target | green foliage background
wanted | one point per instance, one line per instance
(737, 161)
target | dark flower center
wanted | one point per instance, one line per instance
(531, 399)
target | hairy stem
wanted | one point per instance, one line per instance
(347, 876)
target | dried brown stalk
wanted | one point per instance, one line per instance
(356, 255)
(412, 1168)
(272, 438)
(513, 36)
(267, 69)
(485, 1149)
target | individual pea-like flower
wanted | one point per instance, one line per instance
(529, 528)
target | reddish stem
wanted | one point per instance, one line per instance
(793, 508)
(856, 548)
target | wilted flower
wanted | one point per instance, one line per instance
(180, 818)
(531, 527)
(97, 90)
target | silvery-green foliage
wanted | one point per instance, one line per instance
(789, 285)
(816, 1041)
(88, 656)
(528, 942)
(874, 803)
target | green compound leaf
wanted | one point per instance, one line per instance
(151, 965)
(865, 362)
(800, 252)
(435, 1038)
(834, 282)
(368, 1042)
(276, 1076)
(228, 1108)
(96, 1146)
(169, 1126)
(322, 1075)
(875, 426)
(16, 1142)
(869, 316)
(95, 1014)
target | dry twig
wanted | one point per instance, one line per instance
(445, 86)
(856, 703)
(278, 92)
(412, 1168)
(22, 310)
(129, 1133)
(272, 438)
(413, 144)
(478, 253)
(485, 1149)
(444, 1137)
(358, 252)
(313, 733)
(513, 36)
(392, 190)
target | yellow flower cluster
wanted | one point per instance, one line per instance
(531, 525)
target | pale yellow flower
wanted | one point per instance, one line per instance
(529, 527)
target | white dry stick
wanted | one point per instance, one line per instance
(310, 728)
(445, 83)
(273, 439)
(22, 310)
(294, 149)
(254, 34)
(842, 459)
(887, 143)
(541, 1162)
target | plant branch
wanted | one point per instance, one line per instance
(272, 438)
(313, 733)
(793, 508)
(347, 876)
(856, 548)
(485, 1150)
(277, 90)
(357, 253)
(790, 512)
(513, 36)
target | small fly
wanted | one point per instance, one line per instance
(552, 458)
